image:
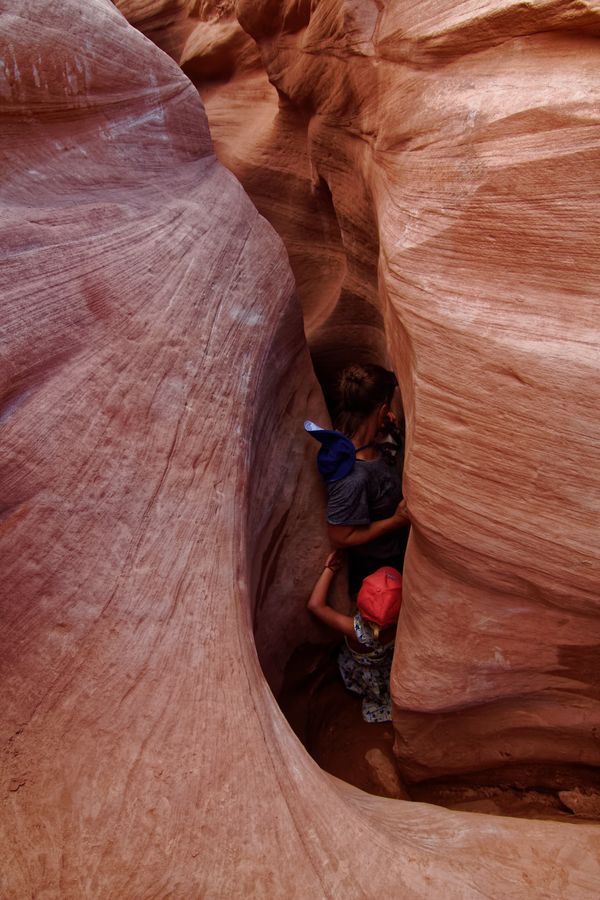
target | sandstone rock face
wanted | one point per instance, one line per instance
(492, 282)
(259, 135)
(203, 36)
(460, 148)
(153, 484)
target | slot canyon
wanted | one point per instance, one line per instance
(209, 207)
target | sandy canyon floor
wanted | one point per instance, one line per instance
(327, 719)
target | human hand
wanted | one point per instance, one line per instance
(334, 561)
(401, 512)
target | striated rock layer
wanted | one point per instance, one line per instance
(262, 137)
(460, 149)
(152, 484)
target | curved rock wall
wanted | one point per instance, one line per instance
(265, 140)
(154, 368)
(493, 281)
(460, 148)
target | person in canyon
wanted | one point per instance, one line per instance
(365, 659)
(366, 513)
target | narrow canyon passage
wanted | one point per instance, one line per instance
(402, 183)
(332, 241)
(326, 166)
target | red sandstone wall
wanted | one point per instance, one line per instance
(460, 150)
(154, 364)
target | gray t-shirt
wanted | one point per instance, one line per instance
(371, 492)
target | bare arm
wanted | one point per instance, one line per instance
(350, 535)
(317, 603)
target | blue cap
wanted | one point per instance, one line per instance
(337, 455)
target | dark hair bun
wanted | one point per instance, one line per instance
(362, 388)
(352, 389)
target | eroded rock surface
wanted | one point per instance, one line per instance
(263, 138)
(460, 149)
(154, 373)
